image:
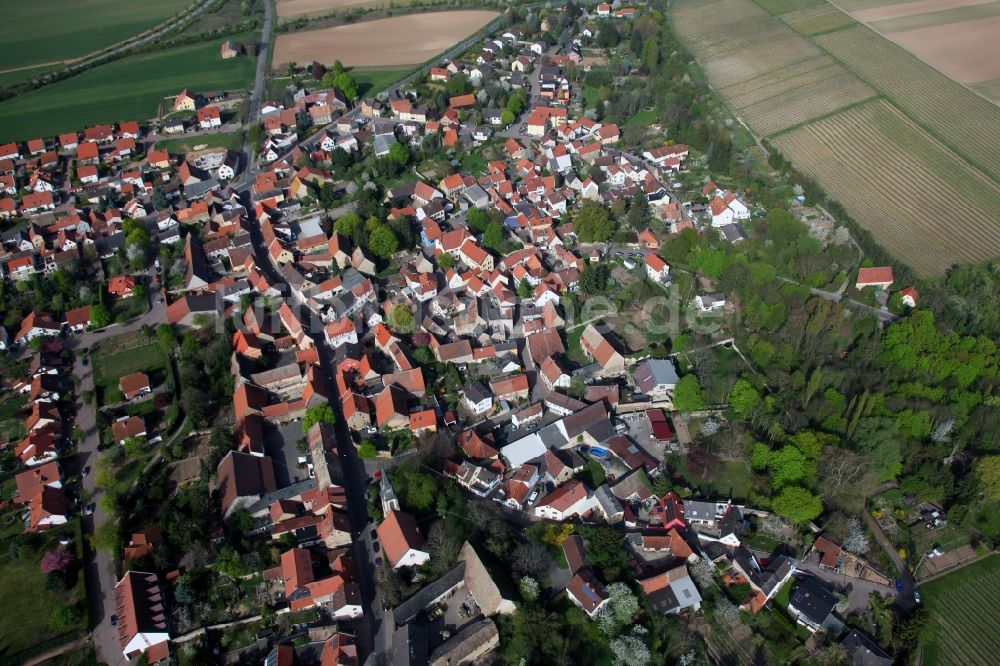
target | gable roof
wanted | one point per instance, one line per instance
(399, 534)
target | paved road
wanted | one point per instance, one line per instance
(838, 297)
(904, 597)
(370, 627)
(100, 577)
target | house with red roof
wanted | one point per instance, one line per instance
(879, 277)
(121, 286)
(568, 500)
(401, 540)
(142, 617)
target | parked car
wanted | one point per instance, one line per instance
(375, 546)
(916, 596)
(89, 509)
(114, 620)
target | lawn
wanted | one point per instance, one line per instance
(231, 140)
(729, 478)
(127, 89)
(372, 80)
(963, 606)
(108, 368)
(10, 427)
(593, 474)
(574, 351)
(643, 118)
(39, 32)
(25, 620)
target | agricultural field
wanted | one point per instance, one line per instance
(772, 77)
(13, 76)
(783, 6)
(288, 9)
(899, 183)
(380, 43)
(963, 607)
(131, 88)
(816, 20)
(55, 30)
(948, 110)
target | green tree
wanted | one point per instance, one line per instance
(595, 277)
(744, 398)
(760, 457)
(399, 154)
(348, 224)
(878, 436)
(493, 237)
(988, 473)
(366, 449)
(383, 242)
(592, 223)
(788, 466)
(321, 413)
(166, 338)
(688, 396)
(401, 318)
(507, 117)
(99, 315)
(797, 505)
(524, 289)
(651, 54)
(445, 261)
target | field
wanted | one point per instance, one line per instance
(964, 607)
(127, 89)
(898, 143)
(381, 43)
(772, 77)
(956, 37)
(54, 30)
(18, 75)
(948, 110)
(816, 20)
(918, 200)
(291, 8)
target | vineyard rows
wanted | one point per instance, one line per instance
(806, 103)
(963, 120)
(964, 623)
(897, 195)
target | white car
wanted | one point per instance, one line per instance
(533, 497)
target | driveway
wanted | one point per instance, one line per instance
(860, 589)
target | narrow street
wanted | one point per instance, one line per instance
(904, 597)
(100, 574)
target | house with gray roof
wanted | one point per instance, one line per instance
(656, 377)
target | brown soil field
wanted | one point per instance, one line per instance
(292, 8)
(968, 52)
(383, 42)
(910, 8)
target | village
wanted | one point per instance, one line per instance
(402, 275)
